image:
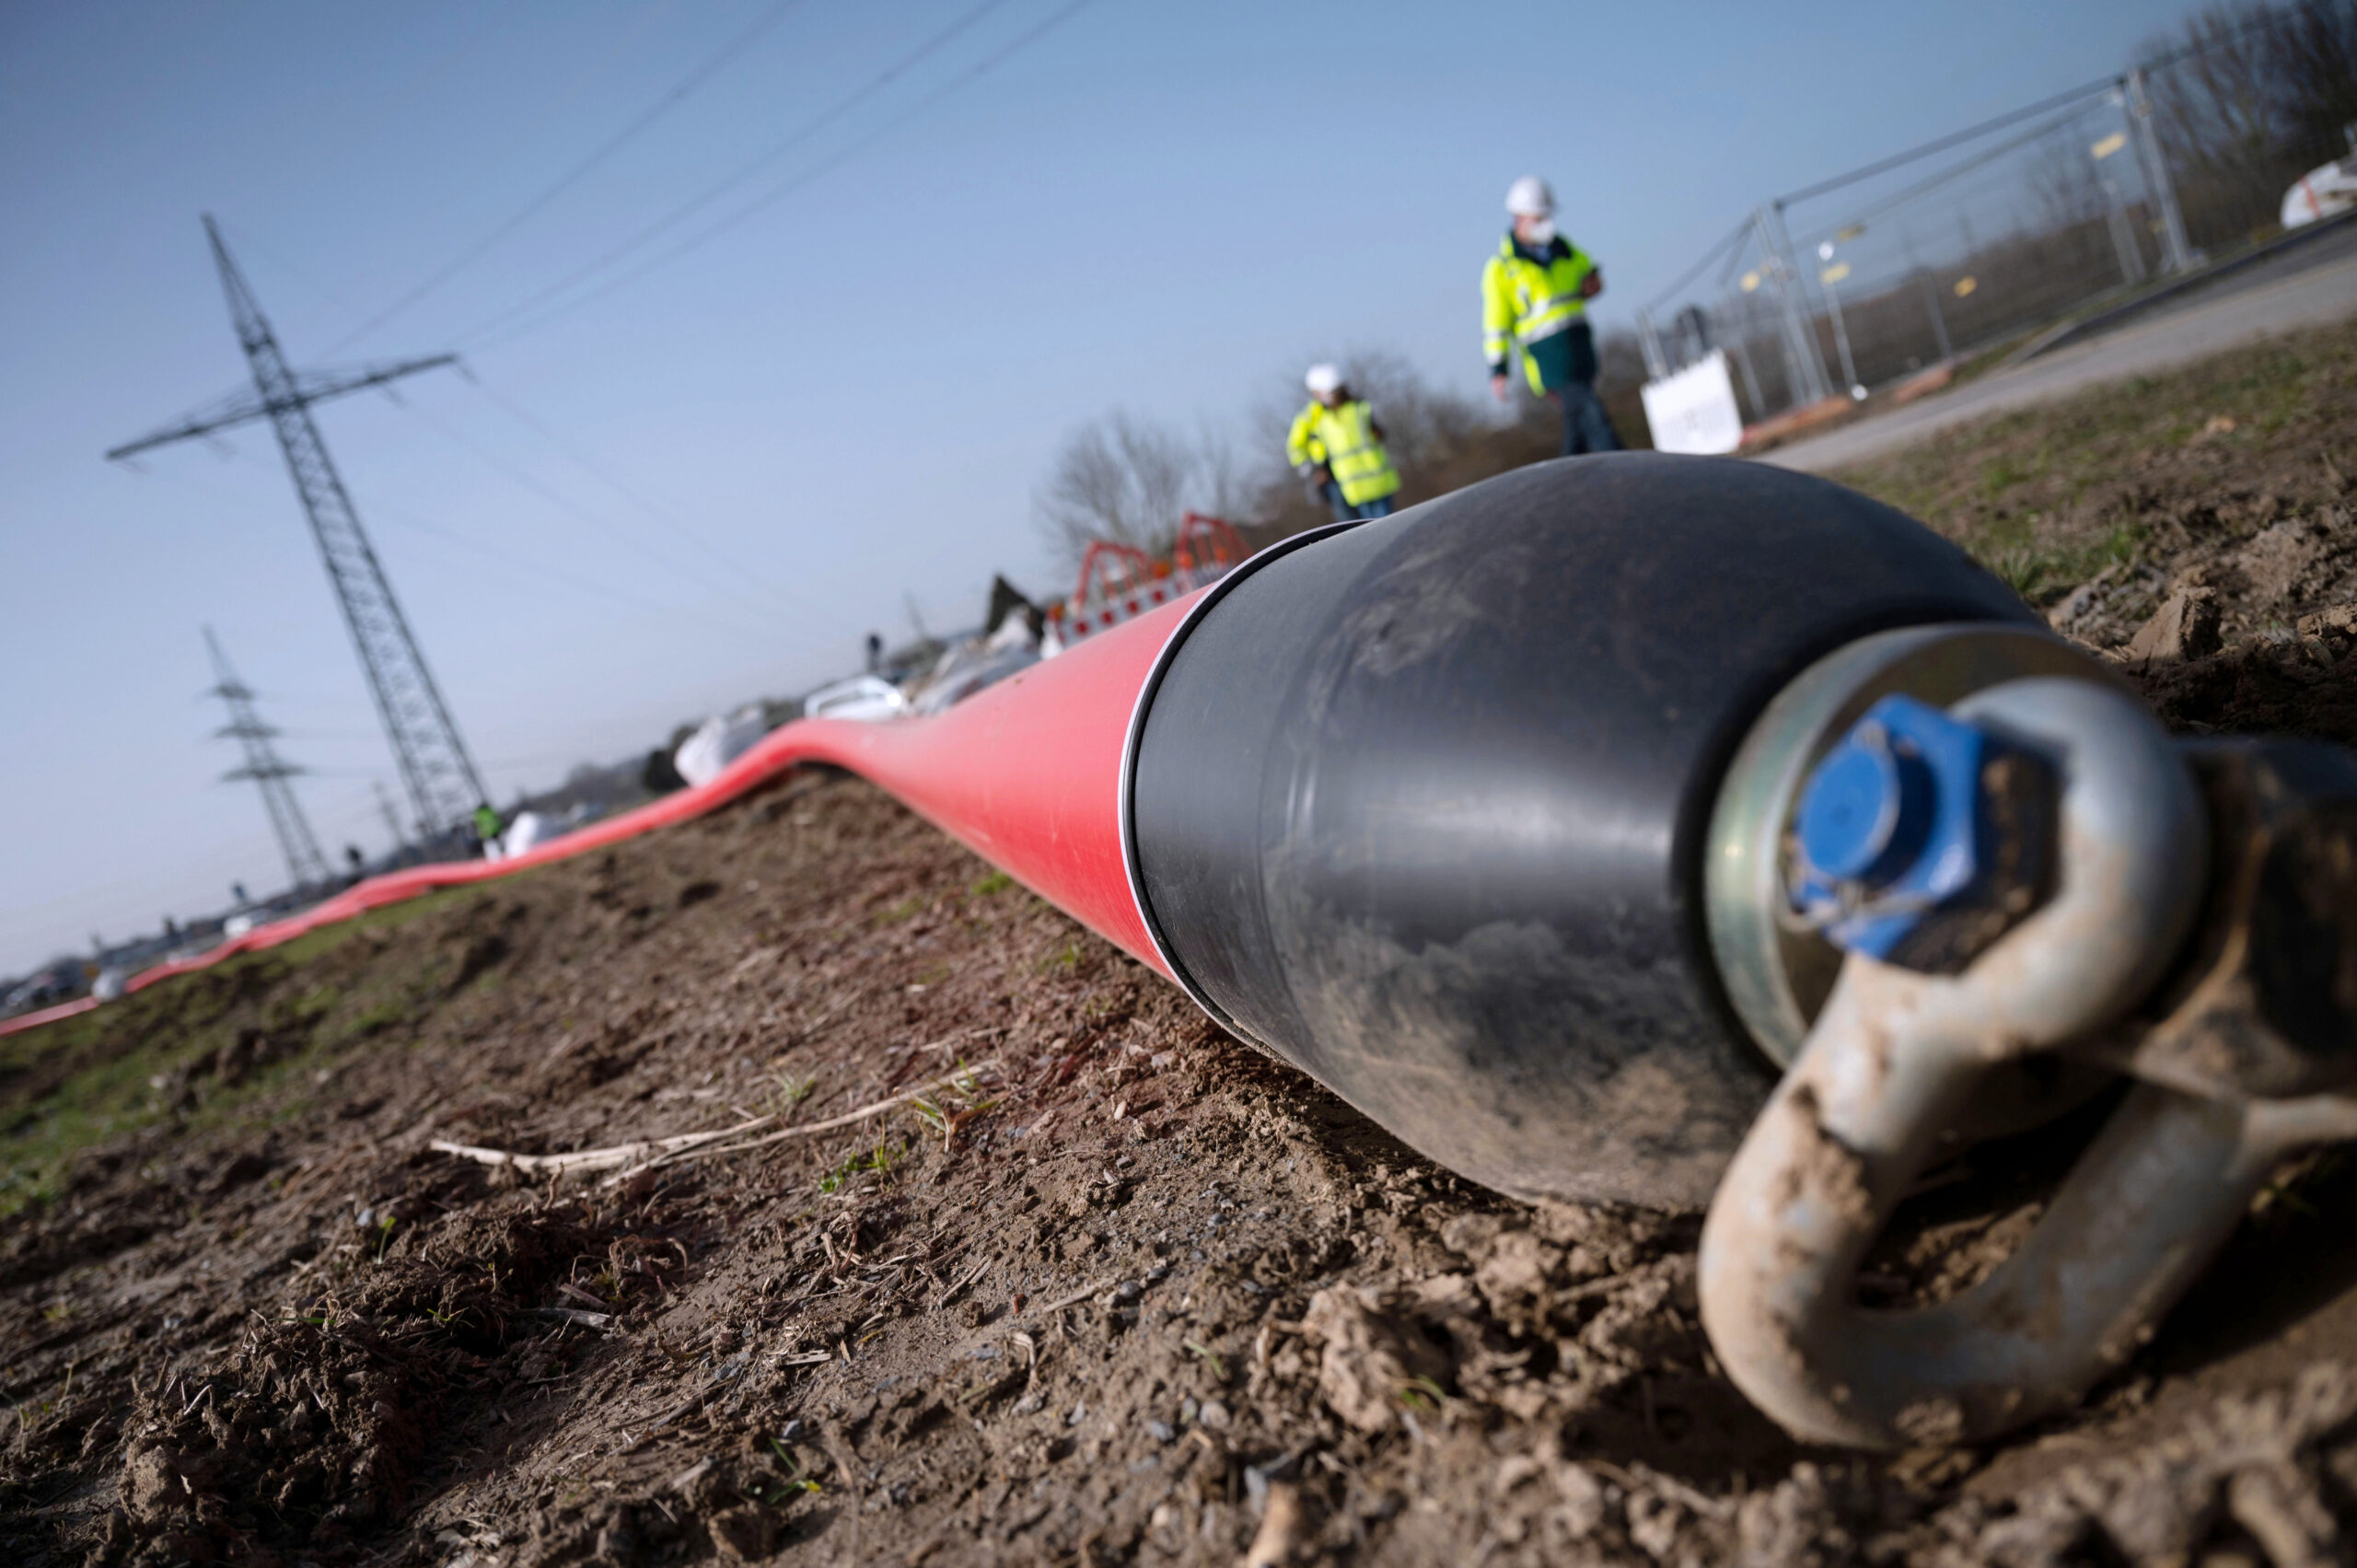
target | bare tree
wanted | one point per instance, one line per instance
(2315, 59)
(1128, 480)
(2246, 78)
(2218, 102)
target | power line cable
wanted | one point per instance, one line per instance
(574, 508)
(623, 47)
(600, 472)
(402, 518)
(536, 572)
(681, 91)
(245, 241)
(768, 155)
(778, 192)
(582, 459)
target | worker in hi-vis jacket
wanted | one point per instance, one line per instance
(1534, 296)
(1336, 444)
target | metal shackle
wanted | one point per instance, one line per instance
(1904, 1052)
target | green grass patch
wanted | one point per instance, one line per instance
(2047, 497)
(877, 1161)
(243, 1044)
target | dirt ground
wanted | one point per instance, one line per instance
(1096, 1284)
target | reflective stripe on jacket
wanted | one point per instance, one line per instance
(1524, 300)
(1341, 440)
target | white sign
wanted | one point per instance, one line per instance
(1695, 411)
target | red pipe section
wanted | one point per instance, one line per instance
(34, 1020)
(1026, 773)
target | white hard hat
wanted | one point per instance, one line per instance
(1322, 379)
(1529, 198)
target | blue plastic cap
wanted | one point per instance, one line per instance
(1850, 813)
(1890, 824)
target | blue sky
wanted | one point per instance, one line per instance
(846, 397)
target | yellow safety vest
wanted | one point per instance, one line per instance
(1523, 301)
(1341, 440)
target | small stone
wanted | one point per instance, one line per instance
(1369, 1355)
(1469, 1235)
(152, 1485)
(2185, 627)
(1212, 1413)
(1161, 1431)
(2341, 621)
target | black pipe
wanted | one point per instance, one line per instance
(1416, 806)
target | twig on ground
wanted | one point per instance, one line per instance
(809, 1128)
(1074, 1299)
(594, 1159)
(648, 1153)
(969, 1277)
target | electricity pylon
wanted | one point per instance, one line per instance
(436, 769)
(305, 864)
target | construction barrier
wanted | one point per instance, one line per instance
(1119, 581)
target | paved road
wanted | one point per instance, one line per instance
(2309, 286)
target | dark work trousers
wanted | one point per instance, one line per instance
(1343, 510)
(1586, 427)
(1565, 364)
